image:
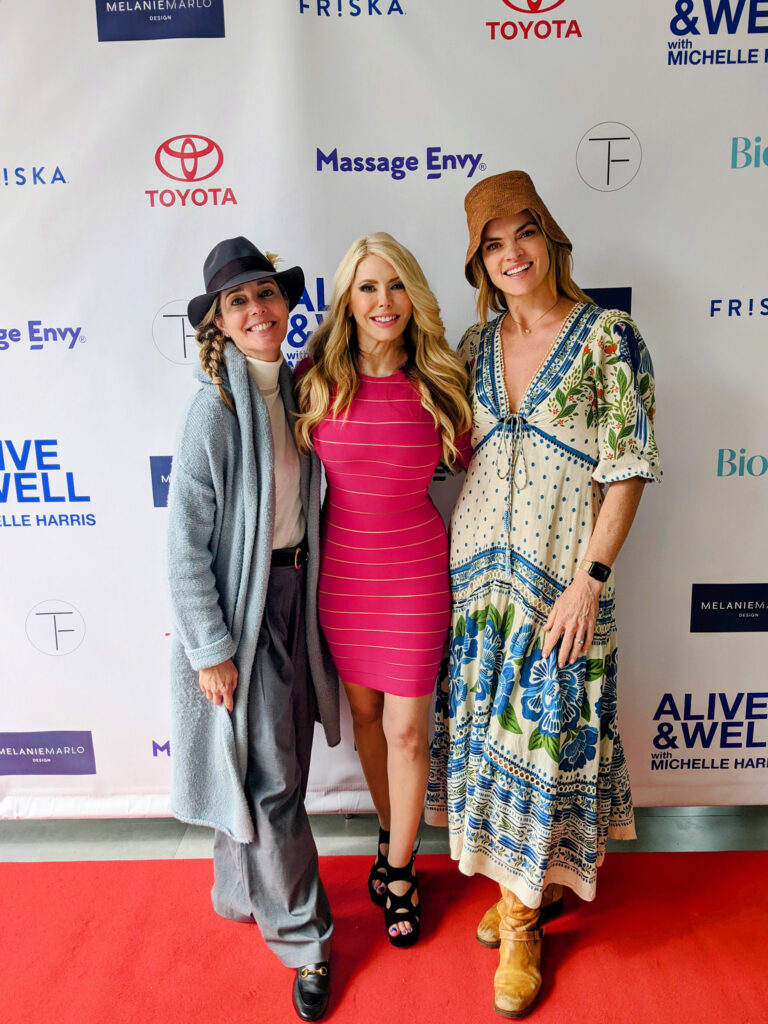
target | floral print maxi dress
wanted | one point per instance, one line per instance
(535, 770)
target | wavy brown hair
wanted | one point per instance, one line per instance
(491, 299)
(331, 383)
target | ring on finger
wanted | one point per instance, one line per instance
(580, 642)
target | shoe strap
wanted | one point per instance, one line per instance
(535, 935)
(403, 874)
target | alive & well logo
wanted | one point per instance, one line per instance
(697, 26)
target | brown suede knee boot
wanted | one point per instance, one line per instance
(517, 980)
(488, 930)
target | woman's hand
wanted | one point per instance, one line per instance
(218, 683)
(573, 618)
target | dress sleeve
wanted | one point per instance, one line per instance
(467, 353)
(625, 402)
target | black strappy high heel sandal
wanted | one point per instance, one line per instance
(402, 909)
(378, 872)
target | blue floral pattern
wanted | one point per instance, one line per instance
(527, 762)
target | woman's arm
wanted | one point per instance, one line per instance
(574, 613)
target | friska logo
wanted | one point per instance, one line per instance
(746, 152)
(738, 307)
(55, 628)
(435, 162)
(695, 22)
(190, 159)
(37, 175)
(350, 8)
(533, 25)
(692, 730)
(729, 608)
(608, 156)
(40, 335)
(172, 333)
(160, 472)
(733, 463)
(47, 753)
(31, 473)
(159, 19)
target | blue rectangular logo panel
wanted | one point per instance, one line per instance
(159, 19)
(47, 753)
(729, 608)
(160, 468)
(611, 298)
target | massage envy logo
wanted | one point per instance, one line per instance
(435, 162)
(39, 335)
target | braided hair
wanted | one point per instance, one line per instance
(211, 352)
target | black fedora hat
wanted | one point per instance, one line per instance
(235, 261)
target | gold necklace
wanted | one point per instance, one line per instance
(527, 330)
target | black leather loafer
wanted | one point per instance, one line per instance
(310, 990)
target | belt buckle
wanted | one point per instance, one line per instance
(296, 557)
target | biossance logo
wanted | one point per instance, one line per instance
(746, 152)
(533, 24)
(694, 24)
(190, 159)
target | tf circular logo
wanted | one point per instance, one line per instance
(534, 6)
(55, 627)
(609, 156)
(189, 158)
(172, 334)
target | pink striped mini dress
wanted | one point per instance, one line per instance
(384, 597)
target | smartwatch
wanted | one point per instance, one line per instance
(597, 570)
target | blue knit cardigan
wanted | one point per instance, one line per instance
(221, 517)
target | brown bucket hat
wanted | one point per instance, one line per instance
(504, 195)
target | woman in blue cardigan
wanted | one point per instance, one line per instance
(250, 671)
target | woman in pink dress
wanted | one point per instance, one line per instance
(383, 401)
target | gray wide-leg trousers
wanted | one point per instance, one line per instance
(275, 880)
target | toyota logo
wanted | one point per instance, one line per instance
(534, 6)
(189, 158)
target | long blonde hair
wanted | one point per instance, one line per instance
(431, 365)
(491, 299)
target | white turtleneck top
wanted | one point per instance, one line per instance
(290, 524)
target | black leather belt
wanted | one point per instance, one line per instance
(291, 556)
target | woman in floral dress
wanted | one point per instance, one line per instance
(526, 735)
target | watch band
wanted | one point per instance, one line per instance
(597, 570)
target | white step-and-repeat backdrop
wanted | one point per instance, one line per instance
(138, 133)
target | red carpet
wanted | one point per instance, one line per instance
(671, 939)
